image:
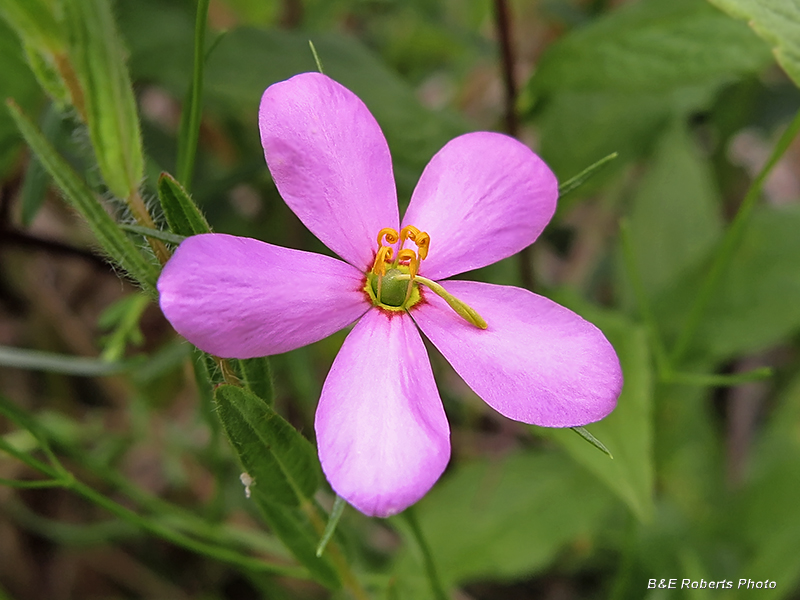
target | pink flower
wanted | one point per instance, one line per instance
(382, 434)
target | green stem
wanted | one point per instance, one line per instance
(190, 125)
(179, 539)
(151, 525)
(430, 566)
(705, 380)
(730, 241)
(22, 484)
(26, 458)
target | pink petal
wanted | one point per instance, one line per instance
(382, 433)
(330, 162)
(238, 297)
(483, 197)
(537, 362)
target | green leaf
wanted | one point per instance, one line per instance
(122, 318)
(777, 21)
(675, 218)
(156, 234)
(758, 300)
(82, 198)
(46, 70)
(578, 128)
(19, 358)
(628, 430)
(653, 45)
(282, 463)
(506, 518)
(768, 517)
(34, 22)
(36, 182)
(256, 376)
(182, 214)
(16, 81)
(97, 56)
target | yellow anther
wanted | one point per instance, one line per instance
(387, 235)
(383, 256)
(408, 232)
(423, 242)
(413, 262)
(420, 238)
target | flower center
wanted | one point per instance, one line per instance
(393, 281)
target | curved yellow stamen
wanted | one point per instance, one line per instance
(383, 256)
(387, 235)
(423, 242)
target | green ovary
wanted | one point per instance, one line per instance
(391, 293)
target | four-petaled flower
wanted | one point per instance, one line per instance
(382, 434)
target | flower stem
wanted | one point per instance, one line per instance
(730, 241)
(142, 216)
(430, 566)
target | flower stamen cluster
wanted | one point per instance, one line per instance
(387, 283)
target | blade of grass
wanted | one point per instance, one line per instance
(37, 360)
(190, 120)
(336, 514)
(579, 179)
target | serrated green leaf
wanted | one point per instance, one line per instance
(97, 55)
(653, 45)
(112, 240)
(282, 463)
(294, 530)
(777, 21)
(628, 430)
(506, 518)
(182, 214)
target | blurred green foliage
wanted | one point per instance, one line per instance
(705, 475)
